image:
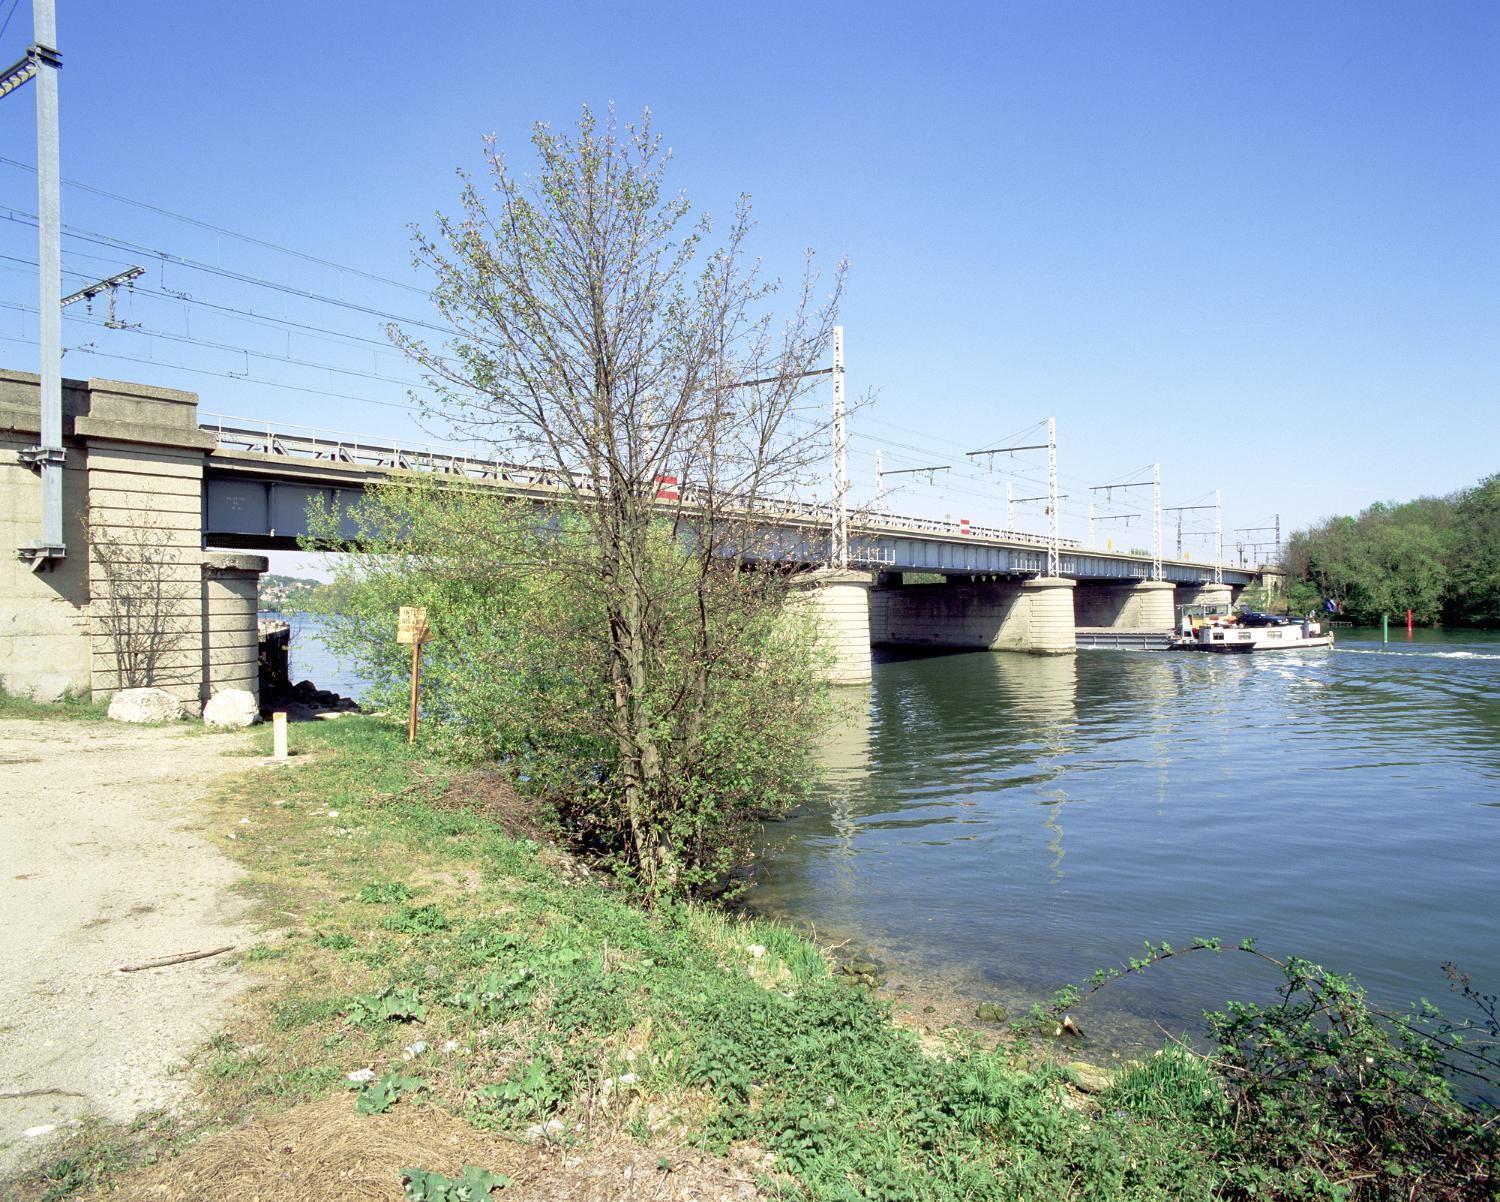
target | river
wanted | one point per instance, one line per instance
(994, 826)
(998, 825)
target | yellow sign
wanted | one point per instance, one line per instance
(411, 624)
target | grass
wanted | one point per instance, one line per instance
(69, 707)
(397, 910)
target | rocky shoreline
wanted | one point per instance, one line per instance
(278, 692)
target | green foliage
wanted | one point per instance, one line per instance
(1439, 557)
(1324, 1096)
(378, 1096)
(1475, 593)
(495, 993)
(520, 672)
(286, 594)
(70, 706)
(1327, 1088)
(536, 1089)
(403, 1005)
(384, 892)
(472, 1185)
(416, 920)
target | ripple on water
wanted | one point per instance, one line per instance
(1013, 822)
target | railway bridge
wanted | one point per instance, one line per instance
(165, 509)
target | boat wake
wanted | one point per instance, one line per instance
(1420, 654)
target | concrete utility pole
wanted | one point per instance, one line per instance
(839, 551)
(1091, 525)
(41, 64)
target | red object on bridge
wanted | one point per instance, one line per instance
(963, 525)
(666, 488)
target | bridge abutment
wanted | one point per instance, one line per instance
(136, 602)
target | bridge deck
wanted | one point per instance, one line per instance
(259, 481)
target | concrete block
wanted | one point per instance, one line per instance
(144, 705)
(232, 707)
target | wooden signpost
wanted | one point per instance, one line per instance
(411, 627)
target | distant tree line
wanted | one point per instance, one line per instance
(1437, 556)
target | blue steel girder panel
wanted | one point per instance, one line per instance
(268, 508)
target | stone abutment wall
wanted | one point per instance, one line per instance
(137, 601)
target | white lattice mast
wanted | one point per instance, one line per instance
(1010, 505)
(1156, 572)
(1091, 526)
(838, 551)
(879, 483)
(1054, 563)
(1218, 538)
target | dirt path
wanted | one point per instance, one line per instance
(100, 867)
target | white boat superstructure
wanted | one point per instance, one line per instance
(1218, 628)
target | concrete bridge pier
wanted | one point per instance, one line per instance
(1205, 594)
(982, 613)
(1137, 605)
(838, 602)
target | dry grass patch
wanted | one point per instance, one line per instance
(325, 1150)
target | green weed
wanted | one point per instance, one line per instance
(472, 1185)
(378, 1096)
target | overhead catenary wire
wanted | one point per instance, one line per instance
(953, 483)
(223, 231)
(167, 257)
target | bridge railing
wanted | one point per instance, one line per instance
(353, 450)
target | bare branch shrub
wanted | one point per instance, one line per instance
(141, 600)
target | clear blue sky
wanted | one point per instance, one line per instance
(1255, 242)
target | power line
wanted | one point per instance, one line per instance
(14, 4)
(165, 257)
(219, 229)
(222, 346)
(224, 375)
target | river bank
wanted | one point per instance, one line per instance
(498, 1005)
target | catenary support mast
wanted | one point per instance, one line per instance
(41, 65)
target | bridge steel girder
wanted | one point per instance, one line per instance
(257, 501)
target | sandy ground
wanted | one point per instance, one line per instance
(99, 868)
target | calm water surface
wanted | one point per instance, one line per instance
(311, 660)
(1008, 823)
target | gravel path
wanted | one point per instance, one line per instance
(100, 867)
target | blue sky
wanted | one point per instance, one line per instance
(1255, 243)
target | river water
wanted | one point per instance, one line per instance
(998, 825)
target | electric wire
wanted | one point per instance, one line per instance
(219, 229)
(20, 216)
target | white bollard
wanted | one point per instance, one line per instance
(278, 735)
